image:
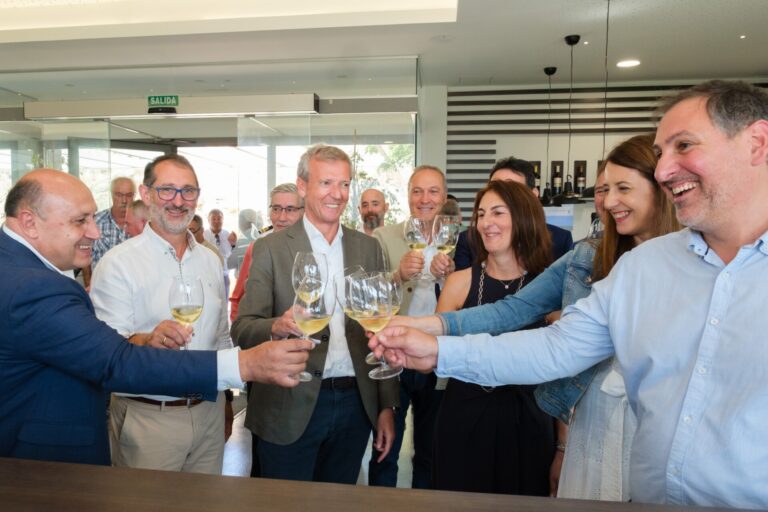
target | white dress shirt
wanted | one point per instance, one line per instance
(338, 363)
(424, 300)
(130, 288)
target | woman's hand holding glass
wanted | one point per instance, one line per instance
(445, 235)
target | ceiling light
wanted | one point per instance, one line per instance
(586, 42)
(629, 63)
(742, 36)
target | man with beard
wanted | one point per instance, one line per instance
(373, 208)
(129, 292)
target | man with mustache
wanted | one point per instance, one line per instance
(373, 208)
(130, 293)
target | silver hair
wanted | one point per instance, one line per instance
(117, 180)
(286, 188)
(323, 153)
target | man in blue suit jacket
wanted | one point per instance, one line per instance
(57, 361)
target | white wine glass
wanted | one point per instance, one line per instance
(351, 275)
(313, 306)
(373, 313)
(445, 233)
(395, 299)
(308, 264)
(416, 234)
(185, 298)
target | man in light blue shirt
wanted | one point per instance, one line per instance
(682, 313)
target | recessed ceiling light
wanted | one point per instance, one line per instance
(629, 63)
(742, 36)
(586, 42)
(389, 142)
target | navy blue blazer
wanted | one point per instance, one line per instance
(562, 242)
(58, 361)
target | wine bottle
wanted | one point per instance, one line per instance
(557, 177)
(581, 176)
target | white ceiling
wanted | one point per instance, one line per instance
(359, 48)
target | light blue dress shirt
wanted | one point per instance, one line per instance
(689, 334)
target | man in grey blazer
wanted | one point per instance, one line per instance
(317, 431)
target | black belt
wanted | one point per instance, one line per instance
(339, 383)
(186, 402)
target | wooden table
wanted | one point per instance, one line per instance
(51, 486)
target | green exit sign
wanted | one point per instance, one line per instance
(163, 101)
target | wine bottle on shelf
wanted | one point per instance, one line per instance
(580, 167)
(568, 189)
(546, 196)
(537, 175)
(557, 177)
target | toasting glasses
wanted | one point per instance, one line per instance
(372, 300)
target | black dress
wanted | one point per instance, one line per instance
(493, 440)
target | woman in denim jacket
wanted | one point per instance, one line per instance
(596, 459)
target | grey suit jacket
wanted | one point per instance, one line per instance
(280, 415)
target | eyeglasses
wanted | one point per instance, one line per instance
(276, 208)
(123, 195)
(169, 193)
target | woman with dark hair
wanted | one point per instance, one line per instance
(495, 439)
(596, 456)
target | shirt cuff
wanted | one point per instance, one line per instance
(228, 369)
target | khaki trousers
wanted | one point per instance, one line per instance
(171, 438)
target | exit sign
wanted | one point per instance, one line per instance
(163, 101)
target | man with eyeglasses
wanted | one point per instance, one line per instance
(130, 293)
(222, 239)
(285, 208)
(111, 223)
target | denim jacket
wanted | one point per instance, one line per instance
(563, 283)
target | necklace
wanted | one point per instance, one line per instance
(506, 285)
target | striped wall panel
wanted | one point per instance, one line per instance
(483, 124)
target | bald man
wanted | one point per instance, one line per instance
(373, 208)
(57, 360)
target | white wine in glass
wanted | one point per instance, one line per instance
(185, 298)
(374, 315)
(416, 234)
(445, 233)
(312, 315)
